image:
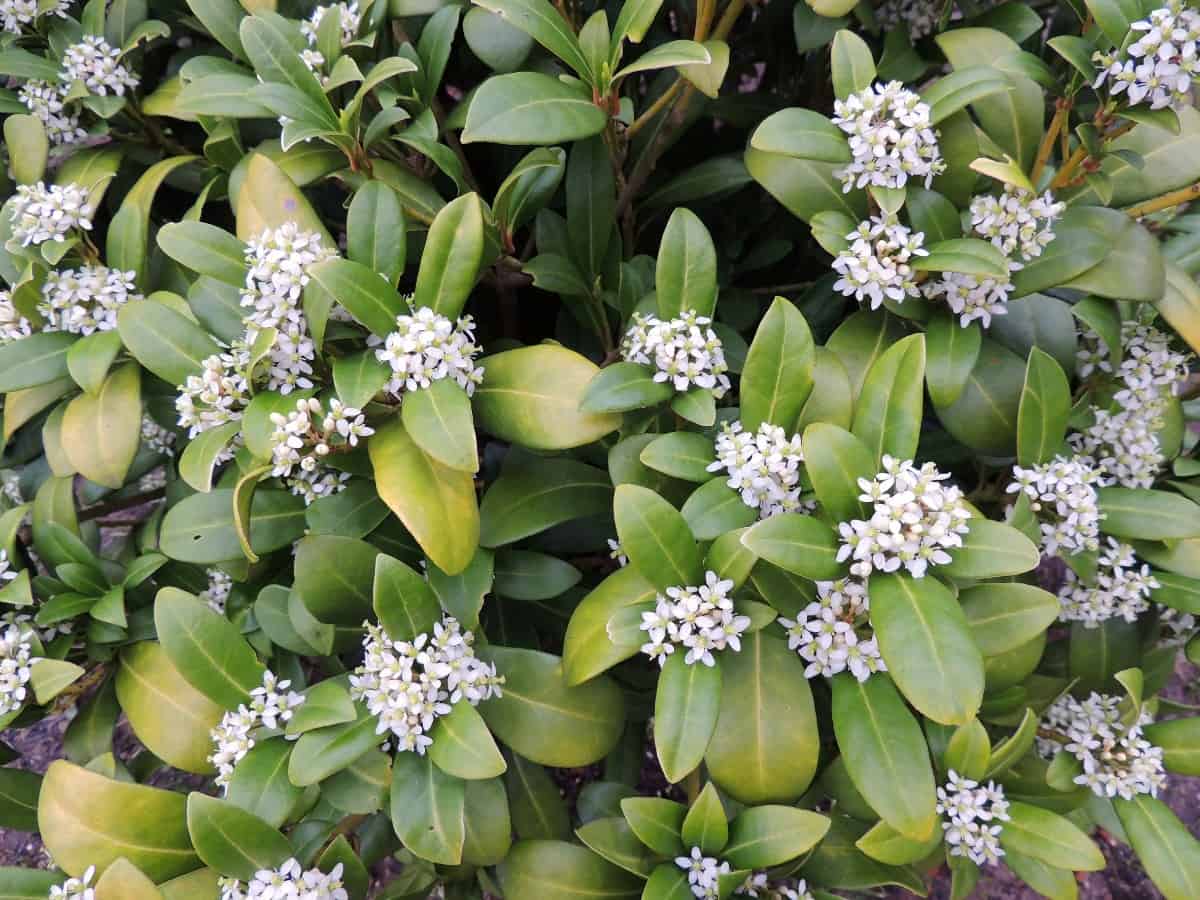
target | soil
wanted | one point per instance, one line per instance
(1123, 879)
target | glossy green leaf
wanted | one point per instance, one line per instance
(800, 544)
(453, 254)
(852, 66)
(777, 376)
(533, 495)
(765, 836)
(686, 708)
(1163, 845)
(231, 840)
(199, 529)
(438, 418)
(1047, 836)
(1004, 616)
(682, 454)
(991, 550)
(589, 647)
(1147, 515)
(463, 747)
(527, 108)
(427, 809)
(321, 753)
(535, 870)
(657, 537)
(34, 360)
(887, 417)
(624, 386)
(541, 21)
(686, 274)
(835, 460)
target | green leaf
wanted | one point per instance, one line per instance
(697, 406)
(765, 745)
(34, 360)
(101, 432)
(403, 600)
(685, 277)
(991, 550)
(536, 808)
(164, 341)
(531, 396)
(198, 461)
(803, 134)
(338, 594)
(968, 750)
(325, 703)
(968, 255)
(269, 43)
(365, 295)
(535, 870)
(542, 22)
(90, 358)
(591, 206)
(800, 544)
(1163, 844)
(268, 198)
(612, 838)
(222, 94)
(26, 139)
(589, 647)
(231, 840)
(501, 46)
(326, 751)
(463, 747)
(686, 708)
(624, 386)
(714, 509)
(461, 595)
(656, 534)
(634, 21)
(169, 716)
(852, 66)
(667, 882)
(887, 417)
(885, 844)
(206, 648)
(124, 881)
(705, 825)
(200, 528)
(488, 827)
(524, 575)
(1111, 16)
(542, 718)
(924, 639)
(657, 822)
(435, 503)
(777, 377)
(129, 232)
(953, 92)
(1048, 837)
(835, 460)
(1180, 743)
(529, 108)
(765, 836)
(89, 820)
(260, 783)
(1005, 616)
(1147, 515)
(1050, 881)
(19, 799)
(885, 753)
(375, 230)
(681, 454)
(804, 186)
(438, 418)
(535, 494)
(428, 809)
(452, 256)
(952, 352)
(1044, 410)
(670, 54)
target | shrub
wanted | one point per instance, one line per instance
(580, 451)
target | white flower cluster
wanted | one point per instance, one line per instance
(1177, 627)
(759, 885)
(348, 15)
(1122, 588)
(1117, 759)
(271, 706)
(75, 888)
(915, 520)
(155, 437)
(833, 634)
(703, 873)
(410, 684)
(763, 466)
(41, 213)
(1062, 495)
(1160, 66)
(216, 595)
(16, 664)
(972, 817)
(299, 445)
(278, 261)
(427, 347)
(617, 552)
(1123, 444)
(288, 882)
(878, 263)
(891, 138)
(6, 571)
(13, 325)
(87, 299)
(219, 394)
(1092, 354)
(684, 351)
(97, 64)
(701, 619)
(17, 15)
(919, 17)
(48, 102)
(1019, 223)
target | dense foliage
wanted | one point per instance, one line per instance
(567, 450)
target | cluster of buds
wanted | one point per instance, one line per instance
(13, 325)
(304, 438)
(97, 64)
(427, 347)
(764, 466)
(54, 213)
(684, 351)
(972, 816)
(700, 619)
(891, 138)
(1120, 588)
(1159, 67)
(833, 633)
(16, 664)
(1062, 496)
(288, 882)
(48, 103)
(18, 16)
(219, 394)
(877, 265)
(85, 300)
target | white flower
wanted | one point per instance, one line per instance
(98, 65)
(277, 262)
(219, 394)
(427, 347)
(1062, 495)
(1018, 222)
(17, 15)
(346, 12)
(1120, 588)
(971, 818)
(833, 633)
(915, 520)
(220, 585)
(41, 213)
(13, 325)
(47, 102)
(890, 138)
(878, 263)
(1159, 67)
(305, 437)
(270, 705)
(684, 351)
(763, 467)
(971, 298)
(615, 552)
(87, 299)
(6, 570)
(15, 668)
(288, 882)
(700, 619)
(155, 437)
(75, 888)
(410, 684)
(1117, 760)
(703, 872)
